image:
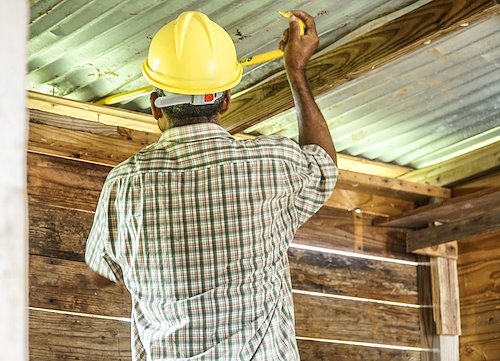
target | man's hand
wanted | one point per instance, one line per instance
(298, 48)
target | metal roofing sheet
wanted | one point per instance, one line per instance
(85, 50)
(423, 108)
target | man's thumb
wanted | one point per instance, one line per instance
(294, 26)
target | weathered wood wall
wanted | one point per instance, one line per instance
(479, 281)
(349, 306)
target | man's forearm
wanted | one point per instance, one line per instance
(312, 125)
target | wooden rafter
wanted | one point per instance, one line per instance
(456, 231)
(357, 57)
(459, 168)
(454, 209)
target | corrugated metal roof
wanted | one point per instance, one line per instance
(88, 49)
(423, 108)
(415, 111)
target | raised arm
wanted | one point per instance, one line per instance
(298, 50)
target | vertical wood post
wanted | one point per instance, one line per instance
(446, 307)
(13, 243)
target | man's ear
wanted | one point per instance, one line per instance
(157, 113)
(225, 103)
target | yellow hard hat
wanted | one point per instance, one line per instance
(192, 55)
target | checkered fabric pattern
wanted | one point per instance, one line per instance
(197, 226)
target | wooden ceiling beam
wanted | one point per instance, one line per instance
(471, 227)
(454, 209)
(357, 57)
(390, 187)
(458, 169)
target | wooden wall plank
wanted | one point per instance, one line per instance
(479, 282)
(63, 285)
(74, 338)
(490, 180)
(69, 337)
(348, 231)
(59, 232)
(322, 351)
(322, 317)
(355, 277)
(65, 182)
(472, 227)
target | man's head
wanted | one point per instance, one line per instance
(185, 113)
(191, 56)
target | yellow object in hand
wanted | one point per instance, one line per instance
(274, 54)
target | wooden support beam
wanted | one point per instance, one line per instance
(445, 296)
(357, 57)
(447, 250)
(92, 112)
(454, 209)
(472, 227)
(390, 187)
(458, 169)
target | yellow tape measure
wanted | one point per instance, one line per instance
(274, 54)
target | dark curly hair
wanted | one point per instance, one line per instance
(184, 114)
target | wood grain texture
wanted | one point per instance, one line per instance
(427, 326)
(58, 232)
(349, 276)
(355, 58)
(322, 317)
(63, 182)
(77, 124)
(479, 282)
(83, 146)
(390, 187)
(472, 227)
(63, 285)
(451, 210)
(68, 337)
(372, 204)
(370, 193)
(92, 112)
(489, 180)
(322, 351)
(348, 231)
(75, 338)
(445, 296)
(459, 168)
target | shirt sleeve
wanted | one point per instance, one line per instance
(96, 256)
(318, 175)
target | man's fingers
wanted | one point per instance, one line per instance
(307, 19)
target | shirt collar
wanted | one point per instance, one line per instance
(194, 132)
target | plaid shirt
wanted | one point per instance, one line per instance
(197, 227)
